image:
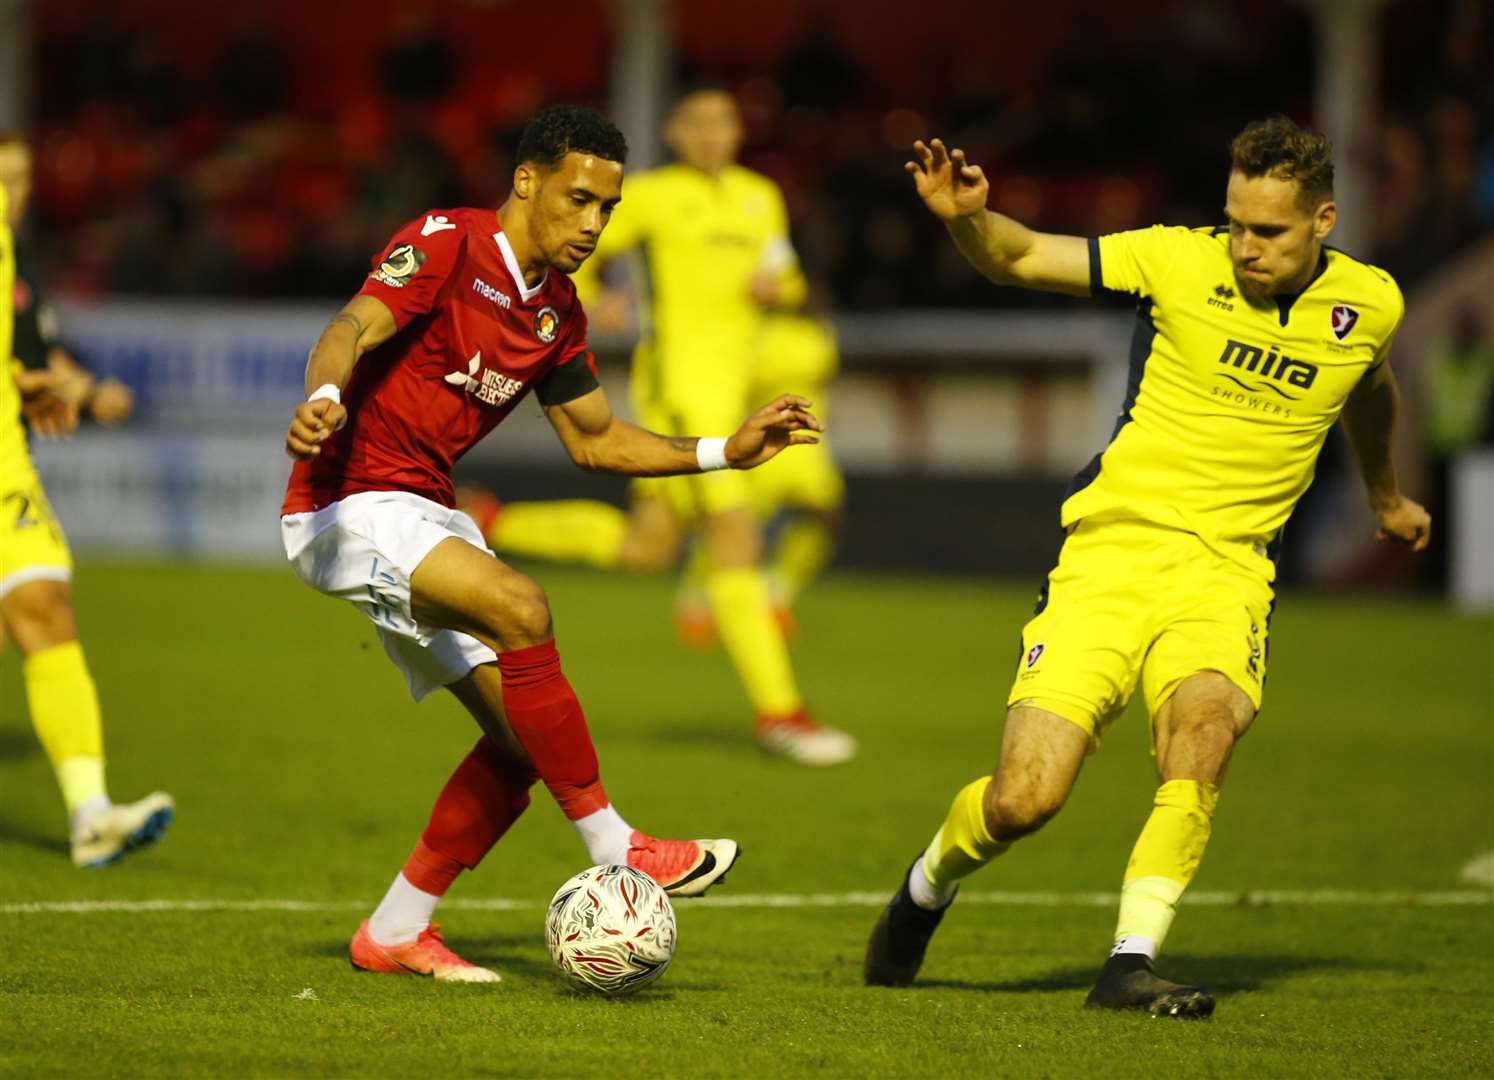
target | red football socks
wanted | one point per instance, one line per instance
(486, 795)
(547, 720)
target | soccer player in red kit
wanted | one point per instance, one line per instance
(464, 313)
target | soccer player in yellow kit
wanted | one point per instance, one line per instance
(803, 502)
(36, 605)
(1252, 339)
(713, 240)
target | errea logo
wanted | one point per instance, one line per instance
(488, 386)
(1223, 294)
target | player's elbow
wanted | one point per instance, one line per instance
(590, 455)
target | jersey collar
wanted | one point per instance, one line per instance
(511, 261)
(1285, 301)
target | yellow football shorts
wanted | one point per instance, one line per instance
(710, 407)
(32, 545)
(1131, 600)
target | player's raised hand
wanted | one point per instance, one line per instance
(1406, 522)
(785, 421)
(111, 402)
(948, 185)
(313, 424)
(45, 403)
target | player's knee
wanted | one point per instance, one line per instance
(1015, 813)
(520, 616)
(649, 556)
(39, 615)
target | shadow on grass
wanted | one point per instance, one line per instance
(53, 843)
(735, 733)
(1229, 974)
(17, 745)
(520, 955)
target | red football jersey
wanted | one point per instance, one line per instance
(472, 341)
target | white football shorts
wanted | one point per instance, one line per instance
(363, 549)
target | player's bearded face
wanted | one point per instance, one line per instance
(573, 203)
(1274, 240)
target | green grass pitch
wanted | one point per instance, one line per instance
(303, 772)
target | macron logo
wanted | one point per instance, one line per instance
(434, 223)
(482, 288)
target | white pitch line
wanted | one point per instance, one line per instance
(1247, 898)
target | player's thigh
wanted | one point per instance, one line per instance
(1081, 652)
(459, 586)
(656, 528)
(1041, 754)
(38, 613)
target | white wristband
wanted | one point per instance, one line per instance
(710, 454)
(331, 393)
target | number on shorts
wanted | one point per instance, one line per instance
(25, 519)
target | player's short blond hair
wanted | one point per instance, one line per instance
(1280, 148)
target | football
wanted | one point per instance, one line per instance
(610, 929)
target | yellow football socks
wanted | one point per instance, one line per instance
(1163, 862)
(753, 639)
(65, 711)
(565, 530)
(804, 548)
(963, 844)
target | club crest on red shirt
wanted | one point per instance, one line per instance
(1343, 318)
(546, 324)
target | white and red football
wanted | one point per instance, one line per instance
(611, 929)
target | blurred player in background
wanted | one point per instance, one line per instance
(37, 343)
(36, 605)
(799, 499)
(713, 240)
(465, 313)
(1253, 338)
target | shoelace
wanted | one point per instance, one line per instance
(431, 938)
(669, 857)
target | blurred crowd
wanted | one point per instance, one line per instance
(234, 174)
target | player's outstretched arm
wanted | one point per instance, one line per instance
(1004, 250)
(600, 441)
(1369, 420)
(46, 403)
(365, 323)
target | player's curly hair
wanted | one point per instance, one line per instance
(559, 130)
(1278, 147)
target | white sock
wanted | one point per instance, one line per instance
(1135, 943)
(86, 809)
(605, 835)
(924, 894)
(403, 913)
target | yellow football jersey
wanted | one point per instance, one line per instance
(699, 241)
(1229, 400)
(12, 435)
